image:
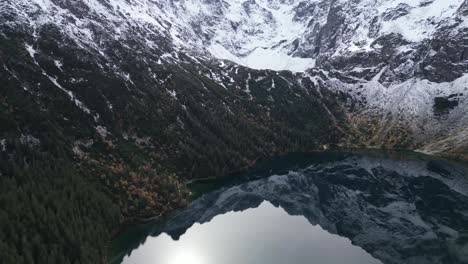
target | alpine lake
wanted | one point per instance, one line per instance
(356, 207)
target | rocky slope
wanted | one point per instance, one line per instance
(105, 71)
(395, 68)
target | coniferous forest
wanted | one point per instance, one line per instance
(68, 185)
(49, 213)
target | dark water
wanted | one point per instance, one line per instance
(317, 208)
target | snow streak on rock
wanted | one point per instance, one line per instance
(400, 63)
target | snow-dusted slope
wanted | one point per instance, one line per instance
(362, 22)
(292, 34)
(401, 65)
(427, 112)
(261, 34)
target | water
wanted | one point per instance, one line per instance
(263, 235)
(317, 208)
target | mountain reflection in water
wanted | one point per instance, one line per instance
(265, 234)
(374, 208)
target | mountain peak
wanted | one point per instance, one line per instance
(260, 34)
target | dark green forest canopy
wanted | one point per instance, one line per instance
(65, 189)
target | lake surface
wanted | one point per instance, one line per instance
(328, 208)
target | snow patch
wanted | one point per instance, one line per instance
(70, 94)
(32, 52)
(58, 64)
(102, 131)
(262, 59)
(422, 21)
(3, 145)
(29, 140)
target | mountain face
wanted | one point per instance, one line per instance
(109, 78)
(135, 91)
(394, 71)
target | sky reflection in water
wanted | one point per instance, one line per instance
(262, 235)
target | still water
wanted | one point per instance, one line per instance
(317, 208)
(262, 235)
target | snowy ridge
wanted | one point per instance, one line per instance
(260, 34)
(411, 104)
(401, 64)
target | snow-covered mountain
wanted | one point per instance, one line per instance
(397, 70)
(135, 97)
(260, 34)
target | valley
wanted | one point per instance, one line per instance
(116, 105)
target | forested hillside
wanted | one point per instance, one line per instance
(87, 151)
